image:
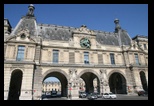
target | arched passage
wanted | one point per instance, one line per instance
(91, 80)
(61, 76)
(15, 85)
(117, 83)
(143, 81)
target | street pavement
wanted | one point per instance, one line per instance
(119, 97)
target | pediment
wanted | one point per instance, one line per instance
(135, 47)
(22, 35)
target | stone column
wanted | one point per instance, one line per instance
(37, 84)
(130, 81)
(73, 84)
(104, 81)
(27, 83)
(37, 54)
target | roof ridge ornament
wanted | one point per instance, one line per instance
(117, 26)
(31, 9)
(84, 30)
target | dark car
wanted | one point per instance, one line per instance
(142, 93)
(53, 93)
(82, 95)
(43, 96)
(92, 96)
(98, 95)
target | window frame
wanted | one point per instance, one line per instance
(145, 46)
(20, 53)
(86, 58)
(112, 58)
(136, 59)
(55, 55)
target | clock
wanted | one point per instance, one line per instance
(85, 43)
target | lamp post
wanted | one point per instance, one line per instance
(70, 90)
(102, 87)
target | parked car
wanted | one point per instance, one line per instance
(82, 95)
(92, 96)
(43, 96)
(53, 93)
(109, 95)
(98, 95)
(142, 93)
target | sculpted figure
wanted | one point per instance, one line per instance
(73, 75)
(104, 77)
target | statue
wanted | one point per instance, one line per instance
(103, 77)
(73, 77)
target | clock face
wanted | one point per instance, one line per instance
(84, 42)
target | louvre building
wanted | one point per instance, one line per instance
(34, 52)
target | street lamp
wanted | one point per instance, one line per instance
(102, 87)
(70, 90)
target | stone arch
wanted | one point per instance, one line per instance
(61, 75)
(143, 80)
(118, 71)
(88, 76)
(16, 69)
(15, 84)
(117, 82)
(88, 70)
(55, 70)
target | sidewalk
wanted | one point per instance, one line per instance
(127, 94)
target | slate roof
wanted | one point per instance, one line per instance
(55, 32)
(140, 36)
(64, 33)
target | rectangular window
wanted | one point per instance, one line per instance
(86, 57)
(55, 56)
(136, 59)
(20, 54)
(112, 58)
(145, 46)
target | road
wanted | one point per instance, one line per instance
(119, 97)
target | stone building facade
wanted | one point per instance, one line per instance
(51, 86)
(34, 52)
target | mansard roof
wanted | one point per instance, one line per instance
(56, 32)
(64, 33)
(140, 36)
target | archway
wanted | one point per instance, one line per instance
(62, 79)
(15, 85)
(92, 83)
(143, 81)
(117, 83)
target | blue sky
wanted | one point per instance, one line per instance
(133, 17)
(51, 79)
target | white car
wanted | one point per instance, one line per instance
(109, 95)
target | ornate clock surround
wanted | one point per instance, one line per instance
(85, 43)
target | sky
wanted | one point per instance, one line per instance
(133, 17)
(51, 79)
